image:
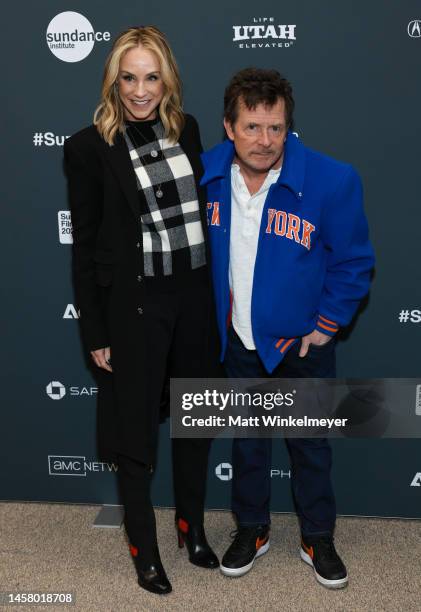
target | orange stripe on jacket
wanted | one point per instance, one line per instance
(326, 327)
(287, 344)
(328, 321)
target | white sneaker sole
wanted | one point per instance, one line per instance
(240, 571)
(329, 584)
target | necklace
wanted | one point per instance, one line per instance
(154, 153)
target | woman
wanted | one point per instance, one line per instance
(141, 280)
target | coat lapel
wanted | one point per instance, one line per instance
(121, 164)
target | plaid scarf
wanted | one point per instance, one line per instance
(171, 226)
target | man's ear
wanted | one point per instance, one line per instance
(229, 130)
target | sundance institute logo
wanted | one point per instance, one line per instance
(71, 37)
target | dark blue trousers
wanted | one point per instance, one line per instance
(311, 458)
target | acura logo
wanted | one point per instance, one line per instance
(414, 28)
(417, 480)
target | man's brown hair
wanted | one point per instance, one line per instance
(255, 86)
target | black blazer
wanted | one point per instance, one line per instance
(104, 206)
(107, 260)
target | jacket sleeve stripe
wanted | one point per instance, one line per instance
(323, 326)
(328, 321)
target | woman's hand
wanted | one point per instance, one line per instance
(102, 358)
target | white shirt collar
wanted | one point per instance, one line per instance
(236, 168)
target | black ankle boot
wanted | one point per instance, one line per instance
(150, 572)
(200, 553)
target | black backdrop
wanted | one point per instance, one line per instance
(355, 69)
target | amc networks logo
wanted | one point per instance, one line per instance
(76, 465)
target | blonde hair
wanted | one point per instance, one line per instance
(109, 116)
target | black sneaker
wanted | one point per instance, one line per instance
(249, 543)
(320, 553)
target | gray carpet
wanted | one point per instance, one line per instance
(53, 548)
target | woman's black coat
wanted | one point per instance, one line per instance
(107, 261)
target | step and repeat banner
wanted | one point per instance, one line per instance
(355, 71)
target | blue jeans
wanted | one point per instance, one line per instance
(311, 458)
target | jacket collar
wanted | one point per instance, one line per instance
(218, 160)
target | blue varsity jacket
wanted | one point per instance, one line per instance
(313, 257)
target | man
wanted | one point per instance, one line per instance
(291, 261)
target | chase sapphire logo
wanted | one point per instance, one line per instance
(55, 390)
(223, 471)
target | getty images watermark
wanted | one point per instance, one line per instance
(302, 408)
(235, 400)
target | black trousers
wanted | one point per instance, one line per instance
(178, 322)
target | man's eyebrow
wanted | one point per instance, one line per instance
(254, 122)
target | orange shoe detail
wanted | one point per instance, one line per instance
(308, 549)
(261, 541)
(133, 550)
(183, 525)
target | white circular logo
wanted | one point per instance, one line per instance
(56, 390)
(70, 36)
(414, 28)
(224, 471)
